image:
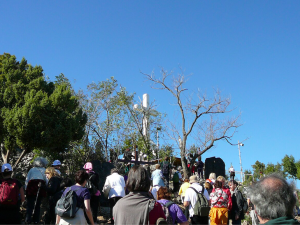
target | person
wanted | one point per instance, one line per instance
(51, 188)
(273, 199)
(177, 178)
(190, 200)
(95, 197)
(236, 213)
(231, 172)
(117, 190)
(194, 168)
(128, 157)
(252, 213)
(83, 197)
(10, 213)
(188, 159)
(163, 197)
(212, 177)
(57, 164)
(166, 169)
(208, 186)
(200, 166)
(134, 208)
(34, 194)
(154, 190)
(219, 202)
(181, 192)
(157, 177)
(226, 189)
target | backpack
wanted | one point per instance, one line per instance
(9, 192)
(201, 207)
(167, 212)
(92, 188)
(176, 177)
(66, 205)
(165, 168)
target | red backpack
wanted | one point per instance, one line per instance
(9, 192)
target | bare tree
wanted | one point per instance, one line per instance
(201, 116)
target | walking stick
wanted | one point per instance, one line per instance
(37, 195)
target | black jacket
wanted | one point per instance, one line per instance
(53, 186)
(94, 177)
(237, 205)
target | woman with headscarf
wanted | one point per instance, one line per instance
(52, 189)
(35, 179)
(208, 186)
(95, 193)
(138, 207)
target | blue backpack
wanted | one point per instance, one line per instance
(66, 205)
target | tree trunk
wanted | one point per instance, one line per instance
(184, 166)
(5, 157)
(24, 152)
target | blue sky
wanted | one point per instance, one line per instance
(247, 49)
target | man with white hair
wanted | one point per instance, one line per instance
(273, 199)
(191, 197)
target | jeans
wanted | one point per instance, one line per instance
(30, 207)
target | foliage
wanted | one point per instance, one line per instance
(248, 178)
(166, 150)
(35, 113)
(272, 168)
(289, 166)
(258, 170)
(112, 121)
(298, 169)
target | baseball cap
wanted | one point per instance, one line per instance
(56, 163)
(6, 166)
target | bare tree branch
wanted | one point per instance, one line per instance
(202, 113)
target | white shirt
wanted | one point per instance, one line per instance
(231, 169)
(154, 191)
(117, 185)
(191, 196)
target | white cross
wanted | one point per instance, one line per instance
(147, 112)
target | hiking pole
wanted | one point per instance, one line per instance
(37, 195)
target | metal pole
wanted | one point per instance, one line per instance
(240, 161)
(157, 145)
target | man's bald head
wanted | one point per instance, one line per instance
(273, 197)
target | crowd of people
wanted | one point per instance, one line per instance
(142, 198)
(43, 188)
